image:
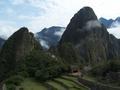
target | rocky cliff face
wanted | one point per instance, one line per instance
(20, 44)
(1, 42)
(90, 40)
(15, 49)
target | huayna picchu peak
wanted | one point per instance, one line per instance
(89, 39)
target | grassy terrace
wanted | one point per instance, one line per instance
(30, 84)
(63, 83)
(70, 84)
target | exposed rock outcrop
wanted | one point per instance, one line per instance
(1, 42)
(89, 38)
(20, 44)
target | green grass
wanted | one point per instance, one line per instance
(62, 83)
(75, 80)
(56, 85)
(89, 78)
(70, 77)
(66, 82)
(30, 84)
(70, 84)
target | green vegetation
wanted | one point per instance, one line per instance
(14, 81)
(56, 85)
(67, 52)
(107, 72)
(71, 83)
(42, 66)
(66, 83)
(30, 84)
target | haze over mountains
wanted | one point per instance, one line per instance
(51, 36)
(48, 37)
(113, 25)
(110, 23)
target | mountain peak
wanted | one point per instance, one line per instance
(84, 19)
(88, 38)
(87, 11)
(49, 37)
(83, 16)
(23, 29)
(20, 44)
(16, 47)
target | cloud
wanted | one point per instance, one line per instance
(92, 24)
(59, 33)
(44, 44)
(115, 24)
(115, 30)
(56, 13)
(6, 29)
(44, 4)
(38, 14)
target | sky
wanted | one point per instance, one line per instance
(38, 14)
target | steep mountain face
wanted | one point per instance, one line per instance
(1, 42)
(50, 36)
(89, 39)
(15, 49)
(110, 23)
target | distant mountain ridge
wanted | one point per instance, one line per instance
(50, 36)
(110, 22)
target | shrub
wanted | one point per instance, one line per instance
(43, 66)
(107, 72)
(14, 80)
(41, 75)
(11, 87)
(23, 74)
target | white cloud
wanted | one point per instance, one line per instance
(115, 31)
(59, 12)
(59, 33)
(6, 29)
(43, 4)
(44, 44)
(92, 24)
(115, 24)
